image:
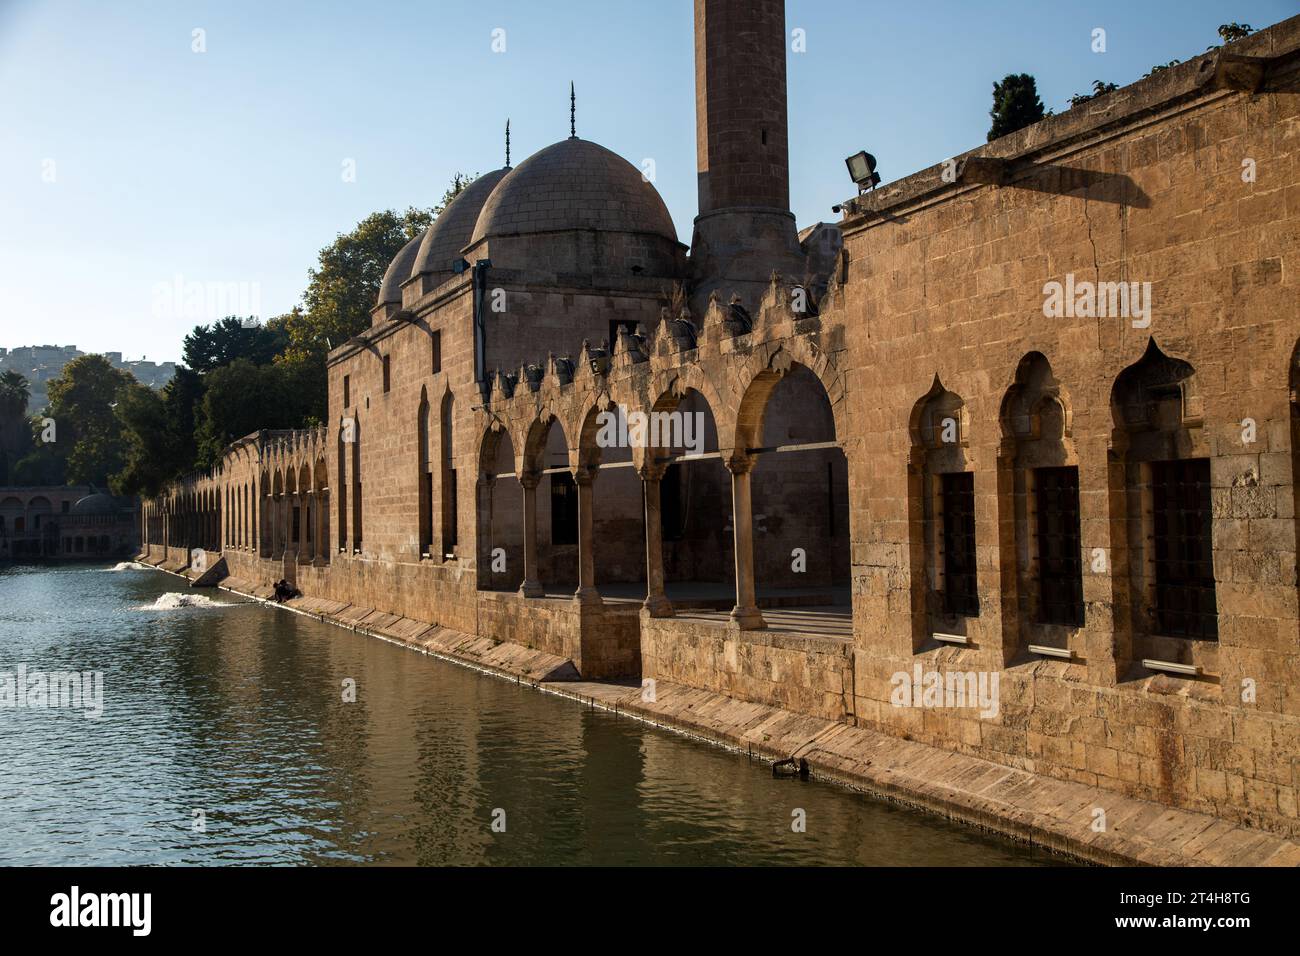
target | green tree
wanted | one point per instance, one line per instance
(341, 290)
(43, 465)
(238, 399)
(159, 433)
(181, 398)
(88, 434)
(150, 444)
(218, 344)
(238, 377)
(1015, 105)
(14, 395)
(458, 183)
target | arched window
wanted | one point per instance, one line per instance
(344, 446)
(1038, 460)
(356, 486)
(424, 468)
(447, 443)
(942, 508)
(1164, 485)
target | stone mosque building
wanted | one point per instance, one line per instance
(906, 455)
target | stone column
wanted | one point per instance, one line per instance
(656, 600)
(310, 544)
(286, 517)
(745, 615)
(306, 540)
(274, 511)
(320, 552)
(531, 587)
(585, 478)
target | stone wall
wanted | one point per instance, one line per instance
(944, 302)
(933, 354)
(804, 673)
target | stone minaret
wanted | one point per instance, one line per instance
(745, 229)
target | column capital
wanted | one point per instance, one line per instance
(651, 470)
(530, 479)
(738, 462)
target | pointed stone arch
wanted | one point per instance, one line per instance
(941, 517)
(424, 444)
(1039, 527)
(763, 371)
(1160, 483)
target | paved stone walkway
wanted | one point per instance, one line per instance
(1056, 814)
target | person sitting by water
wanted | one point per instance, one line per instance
(284, 591)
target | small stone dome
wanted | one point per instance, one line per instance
(390, 289)
(95, 504)
(442, 242)
(574, 184)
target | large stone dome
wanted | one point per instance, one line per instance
(574, 184)
(576, 211)
(433, 252)
(96, 503)
(450, 233)
(390, 289)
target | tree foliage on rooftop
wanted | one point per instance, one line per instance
(1229, 32)
(1099, 88)
(1015, 105)
(1160, 68)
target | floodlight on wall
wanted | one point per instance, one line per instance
(862, 170)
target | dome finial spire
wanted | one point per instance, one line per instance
(507, 142)
(573, 112)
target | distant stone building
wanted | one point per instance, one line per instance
(41, 363)
(1042, 423)
(66, 523)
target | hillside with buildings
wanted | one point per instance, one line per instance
(41, 363)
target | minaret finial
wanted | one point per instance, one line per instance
(507, 142)
(573, 113)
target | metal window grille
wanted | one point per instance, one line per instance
(1183, 549)
(1060, 566)
(959, 593)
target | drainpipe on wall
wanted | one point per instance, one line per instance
(480, 328)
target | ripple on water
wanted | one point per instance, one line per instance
(242, 716)
(175, 600)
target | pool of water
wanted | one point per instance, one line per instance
(226, 738)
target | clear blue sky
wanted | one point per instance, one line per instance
(226, 166)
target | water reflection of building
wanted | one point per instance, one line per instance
(66, 523)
